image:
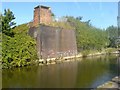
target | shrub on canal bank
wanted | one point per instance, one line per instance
(110, 50)
(85, 53)
(18, 48)
(18, 51)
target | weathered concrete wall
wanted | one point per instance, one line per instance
(51, 41)
(54, 42)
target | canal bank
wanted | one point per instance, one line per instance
(68, 58)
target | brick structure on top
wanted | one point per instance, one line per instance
(42, 15)
(52, 42)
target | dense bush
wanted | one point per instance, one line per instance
(18, 48)
(85, 53)
(18, 51)
(112, 33)
(110, 50)
(20, 29)
(88, 37)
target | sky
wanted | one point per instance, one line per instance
(101, 14)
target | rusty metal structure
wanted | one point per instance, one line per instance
(52, 42)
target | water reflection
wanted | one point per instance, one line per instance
(87, 73)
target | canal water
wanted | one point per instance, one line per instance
(82, 73)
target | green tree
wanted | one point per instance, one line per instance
(17, 51)
(20, 49)
(79, 18)
(7, 22)
(112, 33)
(87, 36)
(88, 22)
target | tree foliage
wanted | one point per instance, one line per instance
(112, 33)
(79, 18)
(7, 22)
(88, 37)
(18, 49)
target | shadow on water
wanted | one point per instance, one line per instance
(87, 73)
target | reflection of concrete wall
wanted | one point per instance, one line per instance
(58, 76)
(54, 42)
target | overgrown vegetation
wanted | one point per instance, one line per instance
(18, 48)
(61, 24)
(112, 33)
(18, 51)
(88, 37)
(7, 22)
(109, 50)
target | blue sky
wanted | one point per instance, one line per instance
(101, 14)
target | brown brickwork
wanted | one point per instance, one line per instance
(42, 15)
